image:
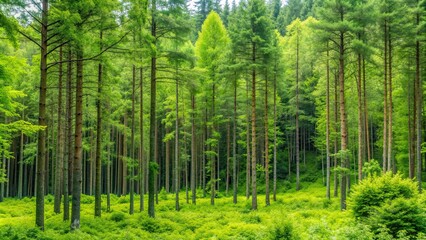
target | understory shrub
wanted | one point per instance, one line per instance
(374, 191)
(390, 205)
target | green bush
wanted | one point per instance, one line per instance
(284, 231)
(401, 217)
(117, 216)
(373, 192)
(355, 231)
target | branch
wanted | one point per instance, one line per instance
(55, 22)
(60, 45)
(29, 38)
(53, 35)
(36, 4)
(92, 57)
(35, 29)
(34, 17)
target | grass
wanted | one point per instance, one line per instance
(305, 214)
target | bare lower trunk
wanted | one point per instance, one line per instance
(77, 179)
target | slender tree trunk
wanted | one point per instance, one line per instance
(336, 181)
(152, 172)
(327, 134)
(419, 105)
(234, 147)
(60, 155)
(343, 133)
(193, 152)
(213, 158)
(68, 148)
(385, 103)
(108, 176)
(267, 200)
(248, 147)
(142, 168)
(98, 157)
(124, 159)
(167, 163)
(41, 141)
(360, 122)
(176, 173)
(21, 163)
(228, 154)
(275, 137)
(77, 180)
(132, 145)
(253, 132)
(367, 132)
(390, 121)
(297, 117)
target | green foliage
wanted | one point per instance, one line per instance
(400, 216)
(372, 168)
(373, 192)
(284, 231)
(117, 216)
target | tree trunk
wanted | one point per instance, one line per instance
(336, 181)
(419, 102)
(390, 160)
(41, 141)
(142, 165)
(360, 122)
(60, 154)
(297, 116)
(21, 163)
(193, 152)
(327, 133)
(275, 137)
(267, 200)
(228, 155)
(76, 192)
(98, 153)
(367, 132)
(68, 148)
(343, 127)
(132, 145)
(248, 147)
(213, 158)
(234, 147)
(176, 173)
(385, 103)
(253, 132)
(152, 172)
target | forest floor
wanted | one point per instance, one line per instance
(305, 214)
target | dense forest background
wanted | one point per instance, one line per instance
(235, 98)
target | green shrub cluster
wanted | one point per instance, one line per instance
(390, 206)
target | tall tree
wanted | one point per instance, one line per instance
(335, 22)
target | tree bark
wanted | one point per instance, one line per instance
(152, 163)
(360, 122)
(390, 121)
(419, 105)
(176, 173)
(41, 141)
(68, 148)
(132, 145)
(343, 126)
(253, 132)
(234, 147)
(77, 180)
(327, 134)
(142, 165)
(267, 199)
(193, 152)
(297, 117)
(60, 154)
(385, 102)
(98, 157)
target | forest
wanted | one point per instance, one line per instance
(210, 119)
